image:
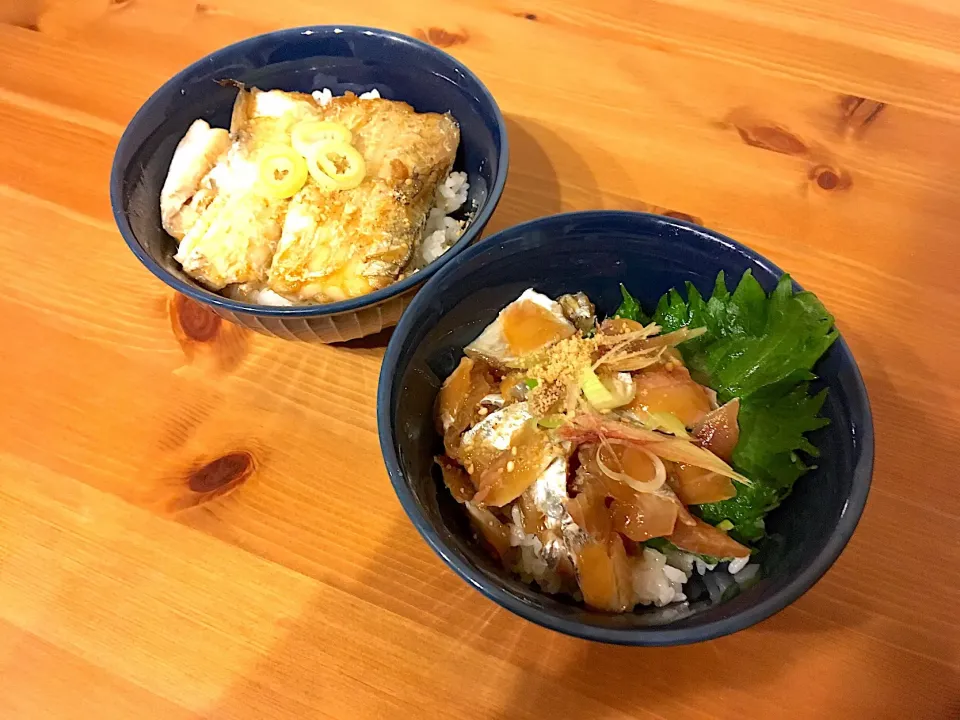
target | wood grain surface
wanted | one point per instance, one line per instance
(195, 521)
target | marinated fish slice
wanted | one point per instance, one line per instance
(345, 243)
(526, 326)
(197, 152)
(235, 234)
(483, 442)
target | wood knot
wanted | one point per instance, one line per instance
(222, 474)
(526, 15)
(442, 38)
(773, 138)
(192, 320)
(829, 178)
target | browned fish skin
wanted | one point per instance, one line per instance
(318, 246)
(346, 243)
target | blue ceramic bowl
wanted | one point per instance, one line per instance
(305, 59)
(594, 252)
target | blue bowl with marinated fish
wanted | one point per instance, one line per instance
(304, 183)
(626, 427)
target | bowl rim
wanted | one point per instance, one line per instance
(643, 636)
(200, 294)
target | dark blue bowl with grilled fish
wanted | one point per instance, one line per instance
(306, 59)
(594, 252)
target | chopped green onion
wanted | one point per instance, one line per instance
(595, 391)
(531, 383)
(725, 525)
(670, 423)
(665, 421)
(551, 422)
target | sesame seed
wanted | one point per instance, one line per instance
(513, 450)
(510, 466)
(482, 411)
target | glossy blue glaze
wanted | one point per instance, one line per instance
(594, 252)
(304, 59)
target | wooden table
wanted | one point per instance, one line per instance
(195, 520)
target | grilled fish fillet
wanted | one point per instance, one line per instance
(196, 154)
(342, 244)
(318, 246)
(228, 229)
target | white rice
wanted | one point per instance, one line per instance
(323, 96)
(532, 567)
(326, 95)
(442, 231)
(658, 577)
(655, 582)
(269, 297)
(717, 584)
(688, 562)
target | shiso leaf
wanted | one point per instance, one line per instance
(762, 349)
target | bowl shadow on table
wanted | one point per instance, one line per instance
(539, 670)
(377, 341)
(539, 673)
(538, 156)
